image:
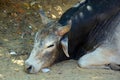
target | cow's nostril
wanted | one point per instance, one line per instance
(29, 68)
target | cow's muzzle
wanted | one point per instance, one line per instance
(28, 68)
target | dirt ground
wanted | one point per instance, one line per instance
(19, 20)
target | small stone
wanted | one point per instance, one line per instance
(45, 70)
(13, 53)
(30, 27)
(17, 70)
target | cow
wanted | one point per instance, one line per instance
(70, 36)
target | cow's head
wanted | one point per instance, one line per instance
(45, 45)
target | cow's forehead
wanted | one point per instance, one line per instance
(44, 41)
(52, 24)
(45, 36)
(48, 29)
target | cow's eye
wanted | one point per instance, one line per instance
(50, 46)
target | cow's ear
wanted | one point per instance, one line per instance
(64, 43)
(44, 18)
(64, 29)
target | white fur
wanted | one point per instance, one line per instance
(76, 5)
(81, 14)
(81, 1)
(89, 8)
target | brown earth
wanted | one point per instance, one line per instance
(19, 20)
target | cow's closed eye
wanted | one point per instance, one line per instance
(49, 46)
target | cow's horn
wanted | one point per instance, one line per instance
(44, 18)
